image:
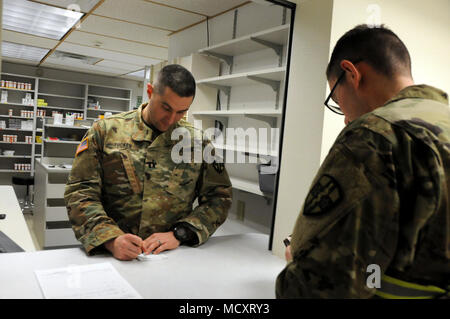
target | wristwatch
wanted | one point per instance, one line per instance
(181, 234)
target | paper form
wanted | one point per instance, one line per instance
(95, 281)
(144, 257)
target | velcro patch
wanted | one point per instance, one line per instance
(219, 167)
(324, 195)
(83, 146)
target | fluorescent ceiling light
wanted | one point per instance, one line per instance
(24, 52)
(38, 19)
(67, 57)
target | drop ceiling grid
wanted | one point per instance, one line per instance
(141, 42)
(93, 69)
(28, 39)
(107, 54)
(113, 67)
(85, 5)
(147, 13)
(108, 27)
(206, 7)
(112, 44)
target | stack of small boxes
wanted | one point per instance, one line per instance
(40, 113)
(41, 102)
(9, 138)
(22, 167)
(15, 85)
(27, 114)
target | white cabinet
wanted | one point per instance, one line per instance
(50, 219)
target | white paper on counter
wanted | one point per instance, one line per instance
(94, 281)
(144, 257)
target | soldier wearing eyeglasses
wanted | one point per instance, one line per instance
(382, 195)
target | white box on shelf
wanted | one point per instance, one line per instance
(27, 125)
(4, 98)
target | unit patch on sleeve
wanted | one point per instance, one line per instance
(324, 195)
(219, 167)
(83, 146)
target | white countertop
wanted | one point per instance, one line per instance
(14, 225)
(55, 167)
(234, 266)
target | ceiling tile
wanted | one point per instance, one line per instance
(118, 29)
(147, 13)
(83, 68)
(83, 5)
(206, 7)
(28, 39)
(120, 46)
(125, 67)
(107, 55)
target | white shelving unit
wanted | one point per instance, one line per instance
(259, 108)
(116, 100)
(246, 78)
(246, 186)
(61, 96)
(246, 44)
(69, 137)
(23, 151)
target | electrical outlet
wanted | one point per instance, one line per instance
(240, 210)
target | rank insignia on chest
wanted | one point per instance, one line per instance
(323, 196)
(82, 146)
(152, 164)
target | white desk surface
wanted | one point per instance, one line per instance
(14, 225)
(234, 266)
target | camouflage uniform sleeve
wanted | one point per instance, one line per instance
(349, 220)
(82, 196)
(214, 199)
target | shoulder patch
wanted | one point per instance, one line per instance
(323, 196)
(82, 146)
(219, 167)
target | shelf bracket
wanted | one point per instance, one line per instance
(223, 88)
(278, 48)
(227, 58)
(272, 121)
(272, 83)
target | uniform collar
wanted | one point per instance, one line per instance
(421, 92)
(142, 132)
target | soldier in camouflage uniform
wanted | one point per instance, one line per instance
(382, 195)
(125, 193)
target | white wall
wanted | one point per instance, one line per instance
(304, 113)
(423, 27)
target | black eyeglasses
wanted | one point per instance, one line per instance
(334, 107)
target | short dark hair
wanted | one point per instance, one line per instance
(378, 46)
(176, 77)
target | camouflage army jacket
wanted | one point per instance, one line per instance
(381, 196)
(123, 181)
